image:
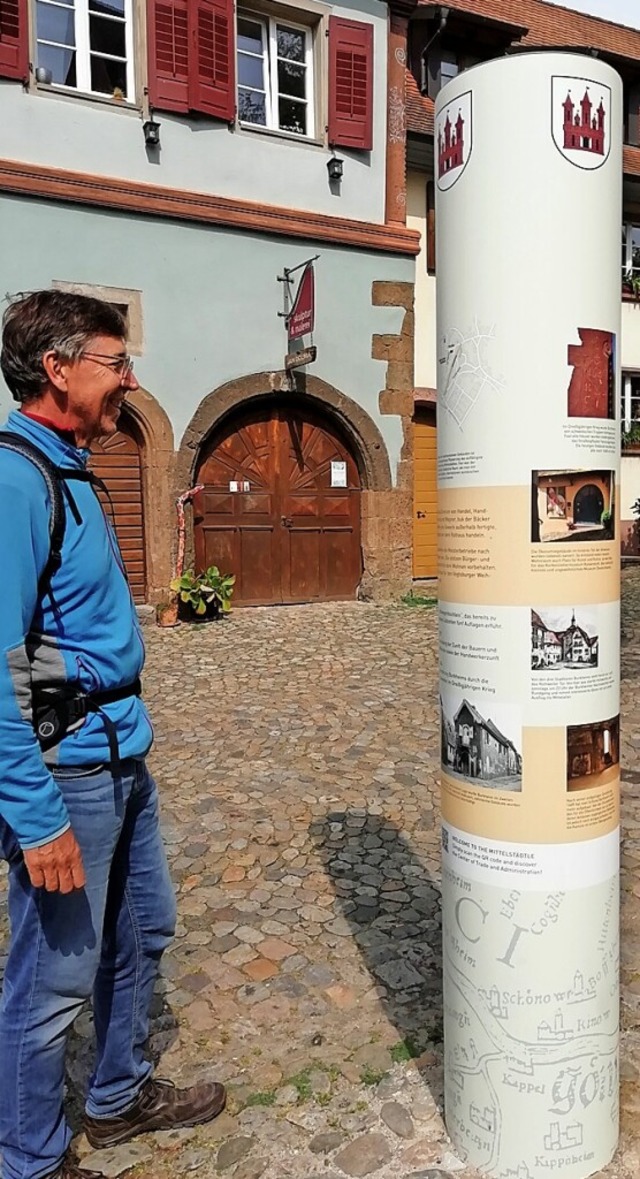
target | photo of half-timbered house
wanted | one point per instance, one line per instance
(476, 749)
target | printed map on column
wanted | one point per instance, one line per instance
(465, 375)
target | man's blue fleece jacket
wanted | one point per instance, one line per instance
(87, 633)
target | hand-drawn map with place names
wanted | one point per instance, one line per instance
(551, 1038)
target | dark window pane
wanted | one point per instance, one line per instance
(293, 116)
(250, 72)
(292, 80)
(252, 107)
(108, 7)
(61, 62)
(291, 43)
(249, 35)
(107, 36)
(108, 76)
(55, 24)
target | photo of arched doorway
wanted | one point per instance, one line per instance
(117, 461)
(588, 505)
(281, 505)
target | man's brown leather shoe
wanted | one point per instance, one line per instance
(72, 1170)
(158, 1106)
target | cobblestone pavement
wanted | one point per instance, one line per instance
(296, 754)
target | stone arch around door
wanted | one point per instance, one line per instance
(349, 423)
(137, 466)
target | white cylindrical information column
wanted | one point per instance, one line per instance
(528, 177)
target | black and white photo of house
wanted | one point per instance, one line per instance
(480, 742)
(564, 639)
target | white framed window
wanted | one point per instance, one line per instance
(630, 410)
(630, 253)
(275, 74)
(86, 46)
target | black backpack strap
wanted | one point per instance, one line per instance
(85, 476)
(97, 484)
(57, 515)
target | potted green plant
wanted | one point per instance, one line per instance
(631, 436)
(631, 285)
(219, 587)
(205, 595)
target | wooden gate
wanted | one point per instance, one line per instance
(425, 494)
(281, 507)
(117, 461)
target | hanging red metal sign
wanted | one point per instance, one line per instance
(301, 319)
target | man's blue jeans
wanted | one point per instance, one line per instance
(106, 939)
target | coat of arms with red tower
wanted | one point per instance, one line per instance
(581, 120)
(454, 138)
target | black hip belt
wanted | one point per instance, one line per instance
(61, 710)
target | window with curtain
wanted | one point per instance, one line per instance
(86, 45)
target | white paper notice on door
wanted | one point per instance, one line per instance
(338, 474)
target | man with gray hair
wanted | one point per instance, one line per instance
(91, 904)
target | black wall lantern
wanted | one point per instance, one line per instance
(151, 131)
(335, 168)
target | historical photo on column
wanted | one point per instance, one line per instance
(593, 754)
(574, 655)
(564, 639)
(481, 741)
(572, 505)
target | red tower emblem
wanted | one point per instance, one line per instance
(581, 120)
(454, 137)
(451, 145)
(582, 130)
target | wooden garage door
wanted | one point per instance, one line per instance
(117, 461)
(425, 506)
(274, 509)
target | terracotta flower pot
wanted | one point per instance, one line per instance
(167, 614)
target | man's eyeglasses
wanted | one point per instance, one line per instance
(122, 365)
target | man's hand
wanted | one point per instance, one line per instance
(56, 866)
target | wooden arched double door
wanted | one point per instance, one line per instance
(280, 506)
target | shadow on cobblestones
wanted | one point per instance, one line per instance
(392, 904)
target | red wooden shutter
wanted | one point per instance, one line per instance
(350, 83)
(14, 39)
(212, 58)
(168, 54)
